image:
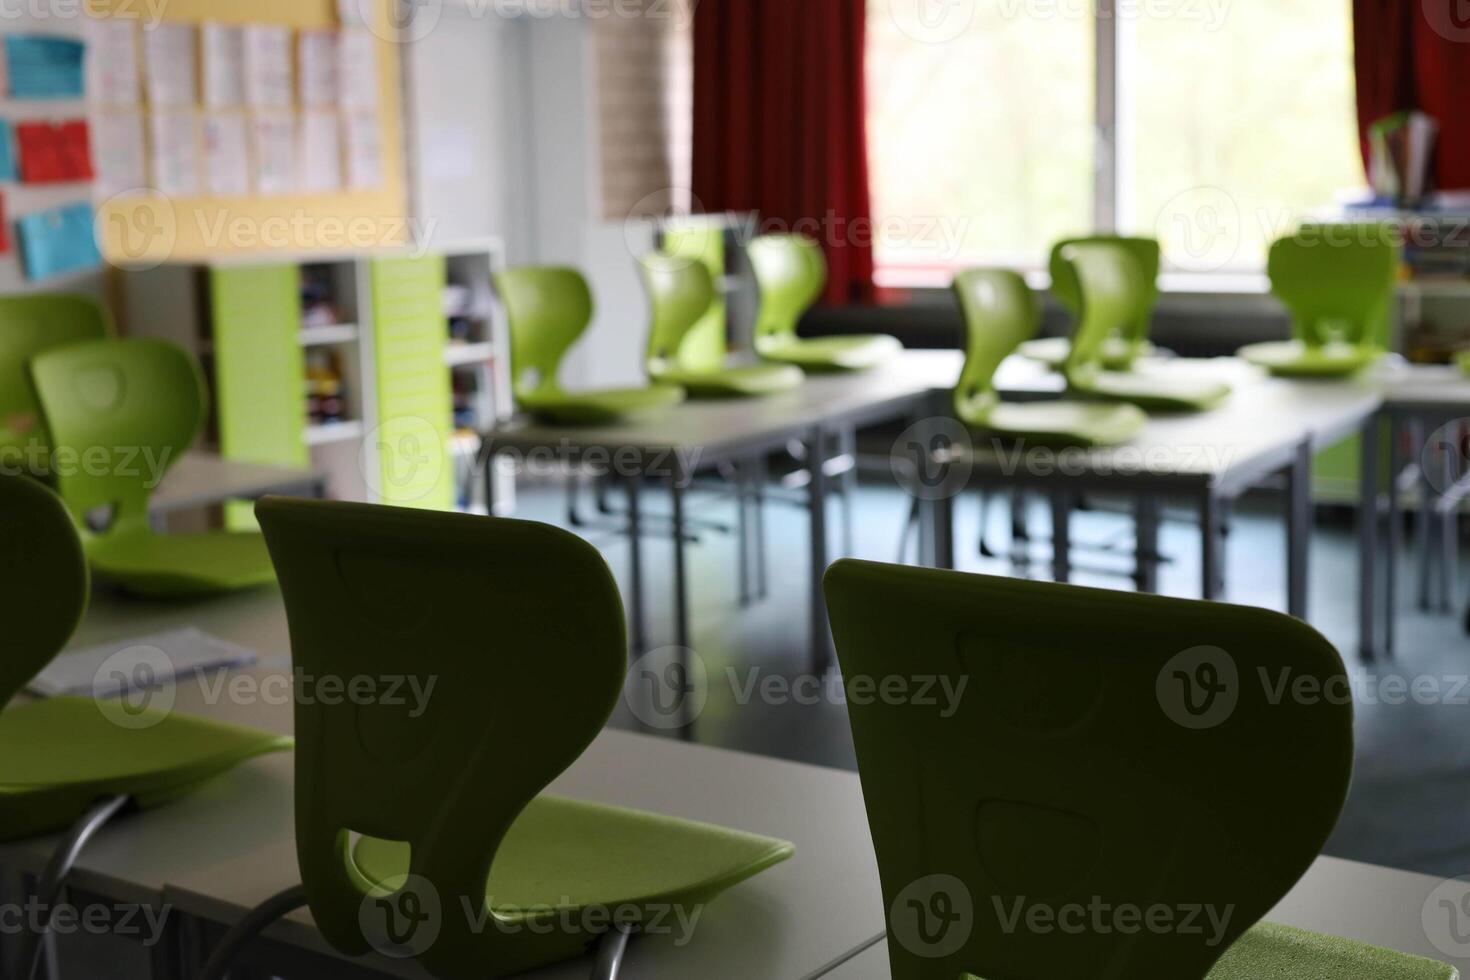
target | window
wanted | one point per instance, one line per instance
(1234, 118)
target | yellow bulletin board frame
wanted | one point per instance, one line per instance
(149, 229)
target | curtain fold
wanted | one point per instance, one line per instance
(780, 124)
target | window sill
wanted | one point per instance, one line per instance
(1184, 284)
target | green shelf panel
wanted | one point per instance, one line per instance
(259, 367)
(415, 406)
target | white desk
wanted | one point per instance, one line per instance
(202, 479)
(1378, 906)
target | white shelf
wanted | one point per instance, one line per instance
(331, 432)
(336, 333)
(458, 354)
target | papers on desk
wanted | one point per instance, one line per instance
(44, 67)
(138, 664)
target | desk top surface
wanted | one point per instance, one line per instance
(199, 479)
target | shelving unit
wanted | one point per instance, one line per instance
(319, 361)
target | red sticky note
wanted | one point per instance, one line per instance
(54, 154)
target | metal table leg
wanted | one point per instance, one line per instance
(762, 478)
(681, 576)
(1146, 543)
(1424, 519)
(742, 545)
(1395, 539)
(1209, 530)
(635, 568)
(1299, 531)
(1368, 541)
(1061, 536)
(821, 634)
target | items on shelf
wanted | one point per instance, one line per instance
(465, 392)
(1401, 151)
(326, 400)
(319, 306)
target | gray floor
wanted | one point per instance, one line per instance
(1412, 782)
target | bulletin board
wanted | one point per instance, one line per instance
(145, 228)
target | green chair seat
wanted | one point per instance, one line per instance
(63, 754)
(1269, 951)
(1118, 354)
(599, 407)
(1464, 361)
(849, 352)
(737, 381)
(1294, 359)
(1063, 423)
(571, 855)
(1153, 392)
(181, 565)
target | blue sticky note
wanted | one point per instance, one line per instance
(57, 241)
(44, 67)
(7, 151)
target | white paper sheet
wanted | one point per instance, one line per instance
(357, 69)
(168, 57)
(224, 64)
(226, 154)
(147, 661)
(119, 153)
(321, 152)
(268, 74)
(364, 138)
(273, 152)
(112, 61)
(317, 68)
(174, 139)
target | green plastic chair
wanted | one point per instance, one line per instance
(1122, 349)
(1464, 361)
(29, 325)
(791, 273)
(1000, 311)
(450, 797)
(679, 293)
(1112, 291)
(1337, 282)
(1147, 767)
(548, 309)
(61, 755)
(124, 411)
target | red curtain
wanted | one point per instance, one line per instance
(780, 124)
(1415, 54)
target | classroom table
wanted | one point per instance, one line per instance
(1379, 906)
(203, 479)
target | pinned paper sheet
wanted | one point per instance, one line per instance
(112, 61)
(223, 55)
(268, 76)
(364, 151)
(146, 661)
(122, 158)
(226, 155)
(317, 55)
(174, 137)
(8, 169)
(53, 154)
(44, 67)
(273, 151)
(57, 241)
(357, 69)
(321, 152)
(168, 58)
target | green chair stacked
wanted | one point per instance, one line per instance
(548, 309)
(28, 326)
(680, 292)
(1000, 313)
(122, 412)
(448, 800)
(1337, 282)
(1112, 292)
(791, 273)
(1085, 767)
(1120, 350)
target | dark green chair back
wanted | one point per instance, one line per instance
(1337, 282)
(1105, 747)
(521, 688)
(29, 325)
(1000, 313)
(134, 406)
(680, 291)
(548, 308)
(1144, 251)
(1111, 292)
(43, 580)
